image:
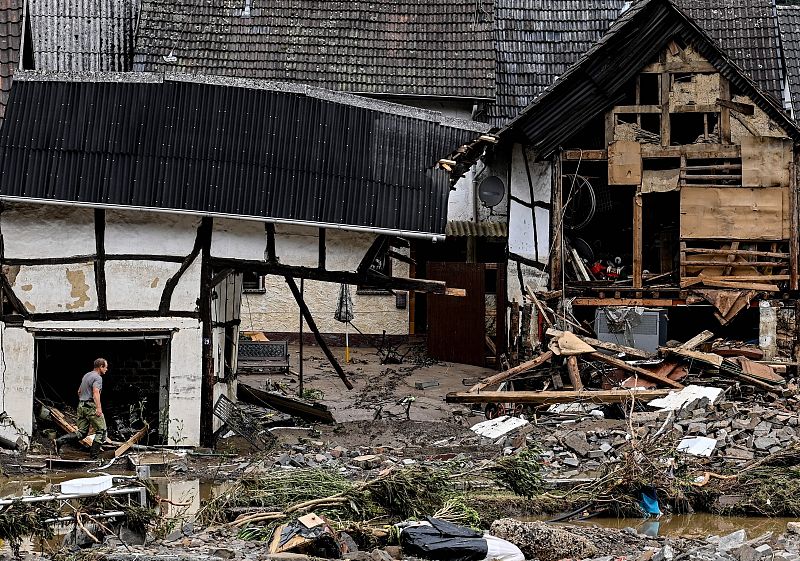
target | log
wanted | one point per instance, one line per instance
(550, 397)
(508, 374)
(647, 374)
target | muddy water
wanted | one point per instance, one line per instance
(693, 525)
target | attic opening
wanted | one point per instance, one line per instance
(135, 389)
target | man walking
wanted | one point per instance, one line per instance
(90, 411)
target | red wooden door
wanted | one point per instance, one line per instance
(457, 324)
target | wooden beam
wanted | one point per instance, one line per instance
(635, 109)
(608, 346)
(574, 373)
(374, 250)
(680, 67)
(552, 397)
(613, 361)
(794, 229)
(637, 240)
(699, 108)
(588, 301)
(697, 340)
(732, 284)
(313, 326)
(205, 306)
(698, 151)
(735, 251)
(556, 224)
(664, 80)
(720, 263)
(339, 277)
(131, 441)
(584, 155)
(724, 112)
(509, 374)
(66, 426)
(743, 108)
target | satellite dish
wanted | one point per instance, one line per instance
(491, 191)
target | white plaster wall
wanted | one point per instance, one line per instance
(137, 285)
(17, 379)
(55, 288)
(28, 231)
(239, 239)
(298, 245)
(461, 202)
(187, 291)
(152, 233)
(522, 219)
(344, 250)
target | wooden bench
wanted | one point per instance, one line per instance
(259, 357)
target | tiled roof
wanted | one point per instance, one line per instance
(747, 30)
(405, 47)
(789, 20)
(10, 36)
(537, 40)
(83, 35)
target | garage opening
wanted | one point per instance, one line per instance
(135, 389)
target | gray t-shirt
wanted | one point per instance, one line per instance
(90, 381)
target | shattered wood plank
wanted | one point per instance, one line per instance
(761, 287)
(315, 412)
(596, 343)
(65, 425)
(508, 374)
(613, 361)
(697, 340)
(711, 359)
(574, 373)
(131, 441)
(548, 397)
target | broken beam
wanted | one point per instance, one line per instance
(608, 346)
(549, 397)
(131, 441)
(613, 361)
(313, 326)
(508, 374)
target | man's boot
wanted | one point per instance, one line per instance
(94, 451)
(59, 442)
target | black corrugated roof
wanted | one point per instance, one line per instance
(234, 147)
(789, 19)
(538, 40)
(416, 47)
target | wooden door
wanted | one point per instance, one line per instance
(457, 324)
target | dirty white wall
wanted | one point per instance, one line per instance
(16, 376)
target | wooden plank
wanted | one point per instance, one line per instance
(735, 251)
(666, 84)
(588, 301)
(738, 213)
(691, 67)
(131, 441)
(696, 151)
(574, 373)
(721, 263)
(697, 340)
(510, 373)
(551, 397)
(585, 155)
(556, 224)
(743, 108)
(699, 108)
(794, 230)
(724, 112)
(65, 425)
(712, 359)
(625, 163)
(637, 241)
(605, 345)
(766, 161)
(635, 109)
(647, 374)
(743, 278)
(737, 285)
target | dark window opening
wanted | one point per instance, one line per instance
(649, 89)
(660, 234)
(651, 123)
(253, 282)
(687, 128)
(135, 389)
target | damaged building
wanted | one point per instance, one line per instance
(132, 204)
(654, 176)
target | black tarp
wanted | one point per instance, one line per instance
(443, 540)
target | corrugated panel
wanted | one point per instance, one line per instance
(789, 20)
(417, 47)
(595, 82)
(83, 35)
(10, 36)
(538, 40)
(241, 151)
(464, 228)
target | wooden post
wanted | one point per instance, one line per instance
(794, 231)
(574, 373)
(514, 330)
(312, 325)
(300, 362)
(208, 379)
(665, 125)
(724, 112)
(556, 225)
(637, 239)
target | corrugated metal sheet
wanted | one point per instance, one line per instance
(538, 40)
(789, 20)
(596, 81)
(414, 47)
(10, 36)
(464, 228)
(83, 35)
(267, 150)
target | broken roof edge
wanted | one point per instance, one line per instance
(432, 236)
(341, 98)
(706, 46)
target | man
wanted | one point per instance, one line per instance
(90, 411)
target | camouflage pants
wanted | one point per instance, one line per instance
(87, 417)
